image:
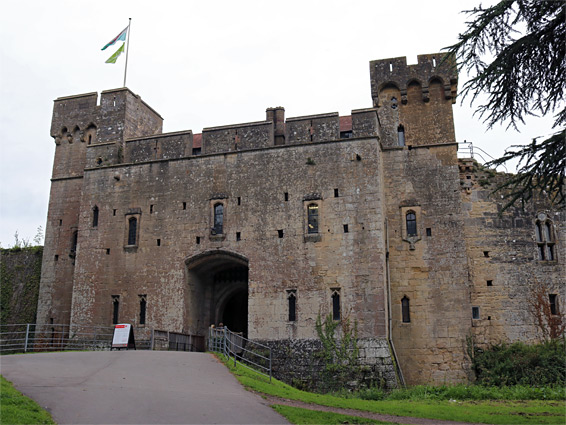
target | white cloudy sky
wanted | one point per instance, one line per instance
(202, 64)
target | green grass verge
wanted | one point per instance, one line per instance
(484, 411)
(16, 408)
(300, 416)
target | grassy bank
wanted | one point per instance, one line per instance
(480, 411)
(15, 408)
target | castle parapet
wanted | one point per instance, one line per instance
(164, 146)
(431, 67)
(236, 137)
(313, 128)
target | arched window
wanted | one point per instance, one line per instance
(132, 230)
(545, 238)
(401, 135)
(411, 221)
(336, 304)
(405, 310)
(115, 309)
(217, 229)
(292, 300)
(143, 307)
(312, 219)
(95, 216)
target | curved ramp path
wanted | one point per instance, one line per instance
(136, 387)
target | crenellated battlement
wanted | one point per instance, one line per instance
(80, 121)
(431, 68)
(414, 102)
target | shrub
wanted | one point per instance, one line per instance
(521, 364)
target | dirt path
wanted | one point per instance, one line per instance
(360, 413)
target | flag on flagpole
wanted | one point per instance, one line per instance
(119, 37)
(112, 59)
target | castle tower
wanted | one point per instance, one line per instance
(428, 280)
(86, 135)
(415, 101)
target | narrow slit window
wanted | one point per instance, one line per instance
(239, 200)
(336, 194)
(292, 304)
(151, 209)
(553, 300)
(411, 221)
(401, 135)
(544, 238)
(280, 233)
(405, 310)
(428, 231)
(538, 231)
(132, 230)
(74, 242)
(95, 216)
(346, 230)
(336, 305)
(198, 240)
(286, 196)
(143, 308)
(115, 309)
(312, 218)
(238, 236)
(184, 205)
(158, 242)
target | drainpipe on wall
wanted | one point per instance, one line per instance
(389, 321)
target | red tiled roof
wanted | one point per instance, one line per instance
(346, 123)
(197, 140)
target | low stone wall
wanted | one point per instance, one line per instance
(300, 363)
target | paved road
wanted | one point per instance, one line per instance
(136, 387)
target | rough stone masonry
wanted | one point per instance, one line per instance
(266, 225)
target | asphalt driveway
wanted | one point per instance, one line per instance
(136, 387)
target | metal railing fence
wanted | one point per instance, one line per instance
(248, 353)
(175, 341)
(29, 337)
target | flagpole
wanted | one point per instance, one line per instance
(127, 51)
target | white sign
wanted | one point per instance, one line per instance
(121, 335)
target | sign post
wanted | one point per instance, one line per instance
(123, 336)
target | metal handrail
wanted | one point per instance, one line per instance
(222, 340)
(26, 337)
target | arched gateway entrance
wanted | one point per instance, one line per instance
(217, 291)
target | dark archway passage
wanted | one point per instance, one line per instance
(235, 314)
(217, 292)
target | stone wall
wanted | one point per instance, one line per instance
(505, 268)
(20, 271)
(265, 194)
(300, 363)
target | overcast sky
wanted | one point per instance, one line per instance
(202, 64)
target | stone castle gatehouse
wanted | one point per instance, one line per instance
(266, 225)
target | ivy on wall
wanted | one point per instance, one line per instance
(20, 273)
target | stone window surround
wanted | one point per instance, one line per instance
(313, 198)
(545, 238)
(132, 213)
(411, 239)
(214, 200)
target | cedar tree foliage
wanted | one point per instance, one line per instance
(515, 52)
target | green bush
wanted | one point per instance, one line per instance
(521, 364)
